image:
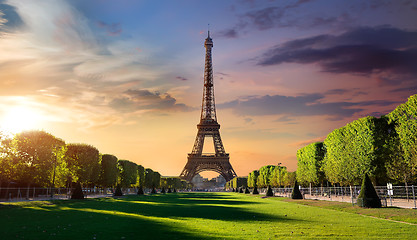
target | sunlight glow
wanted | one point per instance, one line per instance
(19, 118)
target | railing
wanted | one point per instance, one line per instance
(400, 196)
(27, 194)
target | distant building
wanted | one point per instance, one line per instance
(204, 183)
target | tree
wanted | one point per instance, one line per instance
(118, 192)
(78, 192)
(152, 179)
(265, 175)
(356, 149)
(141, 176)
(255, 190)
(128, 173)
(368, 196)
(253, 178)
(156, 180)
(238, 182)
(269, 192)
(36, 156)
(108, 174)
(290, 178)
(309, 166)
(7, 168)
(84, 161)
(404, 118)
(398, 169)
(170, 182)
(278, 176)
(296, 194)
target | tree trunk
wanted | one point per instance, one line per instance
(406, 186)
(27, 191)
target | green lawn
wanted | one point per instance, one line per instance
(192, 216)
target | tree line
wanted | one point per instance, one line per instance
(270, 175)
(37, 158)
(385, 148)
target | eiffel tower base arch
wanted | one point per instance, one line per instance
(197, 164)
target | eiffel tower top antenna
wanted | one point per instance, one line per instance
(208, 108)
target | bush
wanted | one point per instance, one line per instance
(255, 190)
(118, 191)
(169, 190)
(240, 190)
(269, 192)
(247, 191)
(78, 192)
(175, 190)
(296, 194)
(163, 190)
(368, 197)
(140, 191)
(153, 191)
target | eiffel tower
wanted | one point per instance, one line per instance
(208, 127)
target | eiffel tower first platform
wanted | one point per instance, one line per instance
(208, 127)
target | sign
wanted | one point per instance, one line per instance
(390, 192)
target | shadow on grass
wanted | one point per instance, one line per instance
(132, 217)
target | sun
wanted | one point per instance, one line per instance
(19, 118)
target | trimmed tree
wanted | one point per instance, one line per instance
(368, 197)
(78, 192)
(309, 165)
(255, 190)
(269, 192)
(118, 191)
(296, 194)
(247, 191)
(240, 190)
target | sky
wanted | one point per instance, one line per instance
(126, 76)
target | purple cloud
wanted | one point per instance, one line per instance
(360, 51)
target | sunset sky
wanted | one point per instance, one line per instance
(126, 76)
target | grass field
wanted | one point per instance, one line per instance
(199, 216)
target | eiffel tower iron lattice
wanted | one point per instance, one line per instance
(208, 127)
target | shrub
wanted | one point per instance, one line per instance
(163, 190)
(78, 192)
(118, 191)
(255, 190)
(140, 191)
(175, 190)
(296, 194)
(247, 191)
(240, 190)
(169, 190)
(269, 192)
(368, 196)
